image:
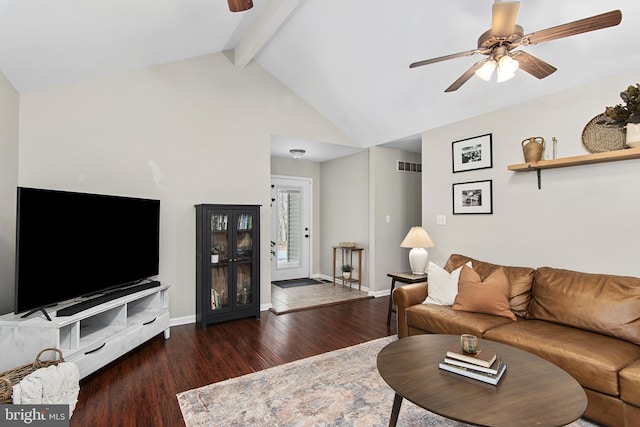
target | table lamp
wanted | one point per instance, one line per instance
(417, 239)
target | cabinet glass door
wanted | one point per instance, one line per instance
(219, 261)
(244, 258)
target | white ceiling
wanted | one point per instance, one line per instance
(349, 59)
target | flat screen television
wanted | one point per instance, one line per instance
(71, 245)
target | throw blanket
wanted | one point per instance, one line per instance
(51, 385)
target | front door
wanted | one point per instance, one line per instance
(290, 227)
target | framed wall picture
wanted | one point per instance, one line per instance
(474, 197)
(472, 153)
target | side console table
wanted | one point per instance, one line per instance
(346, 253)
(403, 277)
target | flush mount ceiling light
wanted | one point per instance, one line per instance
(240, 5)
(297, 153)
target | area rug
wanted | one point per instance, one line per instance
(339, 388)
(294, 283)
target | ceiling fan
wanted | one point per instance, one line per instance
(505, 35)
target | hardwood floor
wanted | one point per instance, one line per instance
(140, 388)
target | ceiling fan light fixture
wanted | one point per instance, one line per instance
(507, 67)
(297, 153)
(503, 76)
(486, 70)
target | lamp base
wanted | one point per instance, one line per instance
(418, 259)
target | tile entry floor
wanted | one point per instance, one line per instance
(294, 299)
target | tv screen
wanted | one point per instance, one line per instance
(76, 244)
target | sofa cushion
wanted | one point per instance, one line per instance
(601, 303)
(443, 286)
(442, 319)
(592, 359)
(490, 296)
(520, 280)
(630, 383)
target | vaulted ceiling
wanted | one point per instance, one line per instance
(349, 59)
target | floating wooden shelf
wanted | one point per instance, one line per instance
(587, 159)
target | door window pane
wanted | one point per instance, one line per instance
(219, 261)
(289, 238)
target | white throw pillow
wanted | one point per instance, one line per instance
(443, 286)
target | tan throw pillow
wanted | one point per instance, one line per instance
(490, 296)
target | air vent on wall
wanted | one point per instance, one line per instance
(402, 166)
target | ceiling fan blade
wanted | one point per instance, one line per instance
(240, 5)
(532, 65)
(503, 19)
(597, 22)
(465, 77)
(445, 58)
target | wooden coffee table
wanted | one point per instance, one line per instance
(532, 392)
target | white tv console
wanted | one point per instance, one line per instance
(92, 338)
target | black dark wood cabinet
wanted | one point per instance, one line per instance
(227, 262)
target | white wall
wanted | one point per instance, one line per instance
(188, 132)
(9, 108)
(584, 217)
(398, 195)
(306, 169)
(344, 210)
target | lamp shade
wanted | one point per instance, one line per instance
(417, 239)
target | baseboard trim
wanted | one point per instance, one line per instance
(184, 320)
(382, 293)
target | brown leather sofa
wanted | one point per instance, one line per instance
(587, 324)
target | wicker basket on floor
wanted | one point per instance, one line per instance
(13, 376)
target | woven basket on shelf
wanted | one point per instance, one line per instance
(13, 376)
(602, 134)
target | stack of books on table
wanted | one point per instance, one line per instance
(485, 365)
